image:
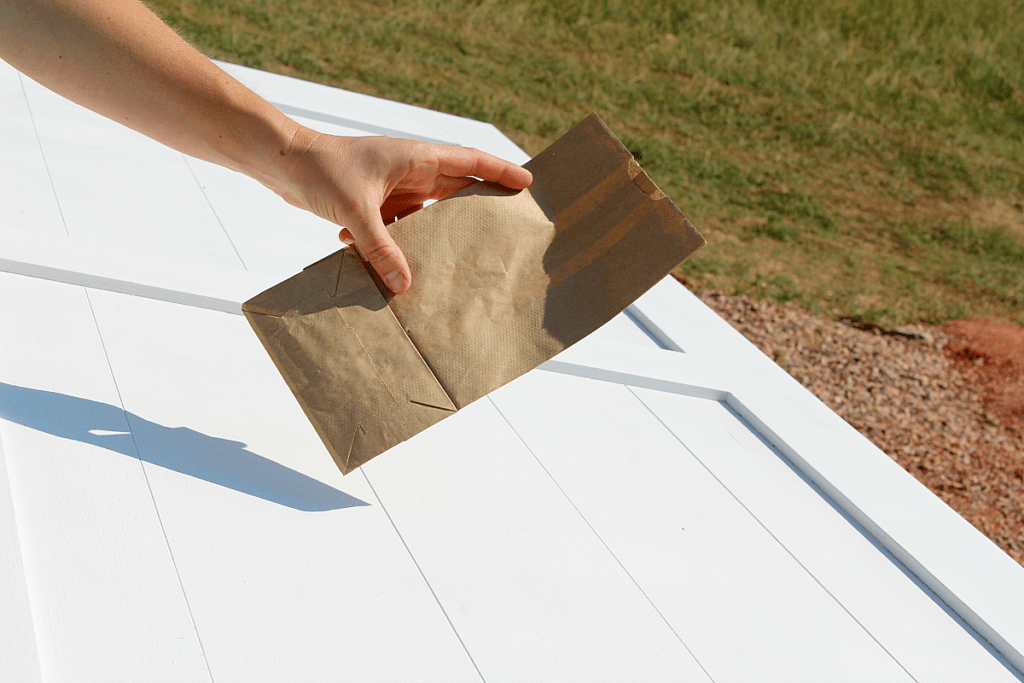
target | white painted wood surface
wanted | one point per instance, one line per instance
(270, 541)
(533, 592)
(626, 513)
(922, 532)
(840, 557)
(106, 601)
(715, 573)
(29, 200)
(19, 660)
(136, 196)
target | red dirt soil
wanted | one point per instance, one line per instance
(991, 354)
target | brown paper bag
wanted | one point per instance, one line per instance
(502, 281)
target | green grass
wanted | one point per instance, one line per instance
(860, 157)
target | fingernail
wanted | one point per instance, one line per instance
(348, 240)
(395, 280)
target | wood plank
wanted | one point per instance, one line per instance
(27, 201)
(924, 636)
(106, 600)
(291, 571)
(735, 596)
(271, 236)
(19, 660)
(919, 529)
(120, 191)
(532, 591)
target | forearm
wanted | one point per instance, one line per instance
(118, 59)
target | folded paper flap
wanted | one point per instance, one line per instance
(338, 346)
(321, 276)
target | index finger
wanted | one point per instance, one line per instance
(458, 162)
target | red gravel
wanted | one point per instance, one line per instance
(947, 404)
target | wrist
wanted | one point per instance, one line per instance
(280, 165)
(251, 135)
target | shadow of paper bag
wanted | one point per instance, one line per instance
(502, 281)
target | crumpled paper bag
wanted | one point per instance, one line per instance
(502, 281)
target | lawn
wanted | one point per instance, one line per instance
(859, 157)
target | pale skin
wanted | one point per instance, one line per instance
(118, 59)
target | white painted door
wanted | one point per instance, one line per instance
(626, 512)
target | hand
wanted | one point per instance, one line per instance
(365, 183)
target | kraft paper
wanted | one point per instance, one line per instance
(502, 281)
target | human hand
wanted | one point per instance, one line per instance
(365, 183)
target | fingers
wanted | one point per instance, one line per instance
(462, 161)
(410, 173)
(377, 248)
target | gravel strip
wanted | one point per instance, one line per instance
(900, 389)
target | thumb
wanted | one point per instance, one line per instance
(378, 248)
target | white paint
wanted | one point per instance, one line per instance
(533, 592)
(81, 262)
(292, 572)
(622, 330)
(122, 191)
(103, 590)
(890, 504)
(27, 201)
(19, 660)
(747, 610)
(930, 643)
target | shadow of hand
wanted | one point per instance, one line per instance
(219, 461)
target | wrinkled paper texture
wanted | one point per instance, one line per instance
(502, 281)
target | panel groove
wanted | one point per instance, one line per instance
(214, 210)
(651, 329)
(32, 118)
(770, 533)
(70, 277)
(357, 125)
(601, 540)
(149, 487)
(422, 574)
